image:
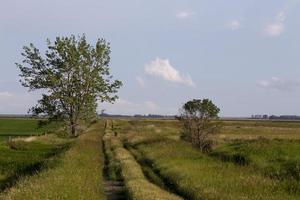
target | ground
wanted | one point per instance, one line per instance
(147, 159)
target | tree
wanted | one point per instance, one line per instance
(73, 76)
(197, 116)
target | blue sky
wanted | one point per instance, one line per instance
(244, 55)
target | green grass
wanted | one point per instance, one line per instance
(200, 176)
(112, 168)
(253, 129)
(18, 127)
(18, 157)
(278, 159)
(231, 130)
(250, 160)
(21, 127)
(262, 123)
(137, 185)
(77, 174)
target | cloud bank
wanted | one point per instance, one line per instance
(163, 69)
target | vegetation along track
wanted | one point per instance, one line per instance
(112, 181)
(138, 187)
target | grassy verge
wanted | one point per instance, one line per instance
(76, 175)
(137, 185)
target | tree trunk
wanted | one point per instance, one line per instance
(73, 127)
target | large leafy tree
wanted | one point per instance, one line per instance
(73, 76)
(199, 121)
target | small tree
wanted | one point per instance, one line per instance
(197, 116)
(73, 75)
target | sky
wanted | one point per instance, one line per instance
(244, 55)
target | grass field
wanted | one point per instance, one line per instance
(20, 157)
(76, 174)
(254, 129)
(243, 165)
(18, 127)
(249, 160)
(137, 185)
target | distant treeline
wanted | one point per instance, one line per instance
(283, 117)
(290, 117)
(150, 116)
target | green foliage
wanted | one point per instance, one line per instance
(75, 75)
(196, 116)
(201, 108)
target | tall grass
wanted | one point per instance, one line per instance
(112, 168)
(19, 157)
(278, 159)
(138, 187)
(198, 176)
(75, 175)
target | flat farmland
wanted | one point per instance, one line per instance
(147, 159)
(249, 159)
(18, 127)
(250, 129)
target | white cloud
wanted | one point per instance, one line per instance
(279, 84)
(185, 14)
(234, 25)
(162, 68)
(140, 81)
(276, 28)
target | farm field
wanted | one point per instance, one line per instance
(243, 164)
(253, 129)
(147, 159)
(18, 127)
